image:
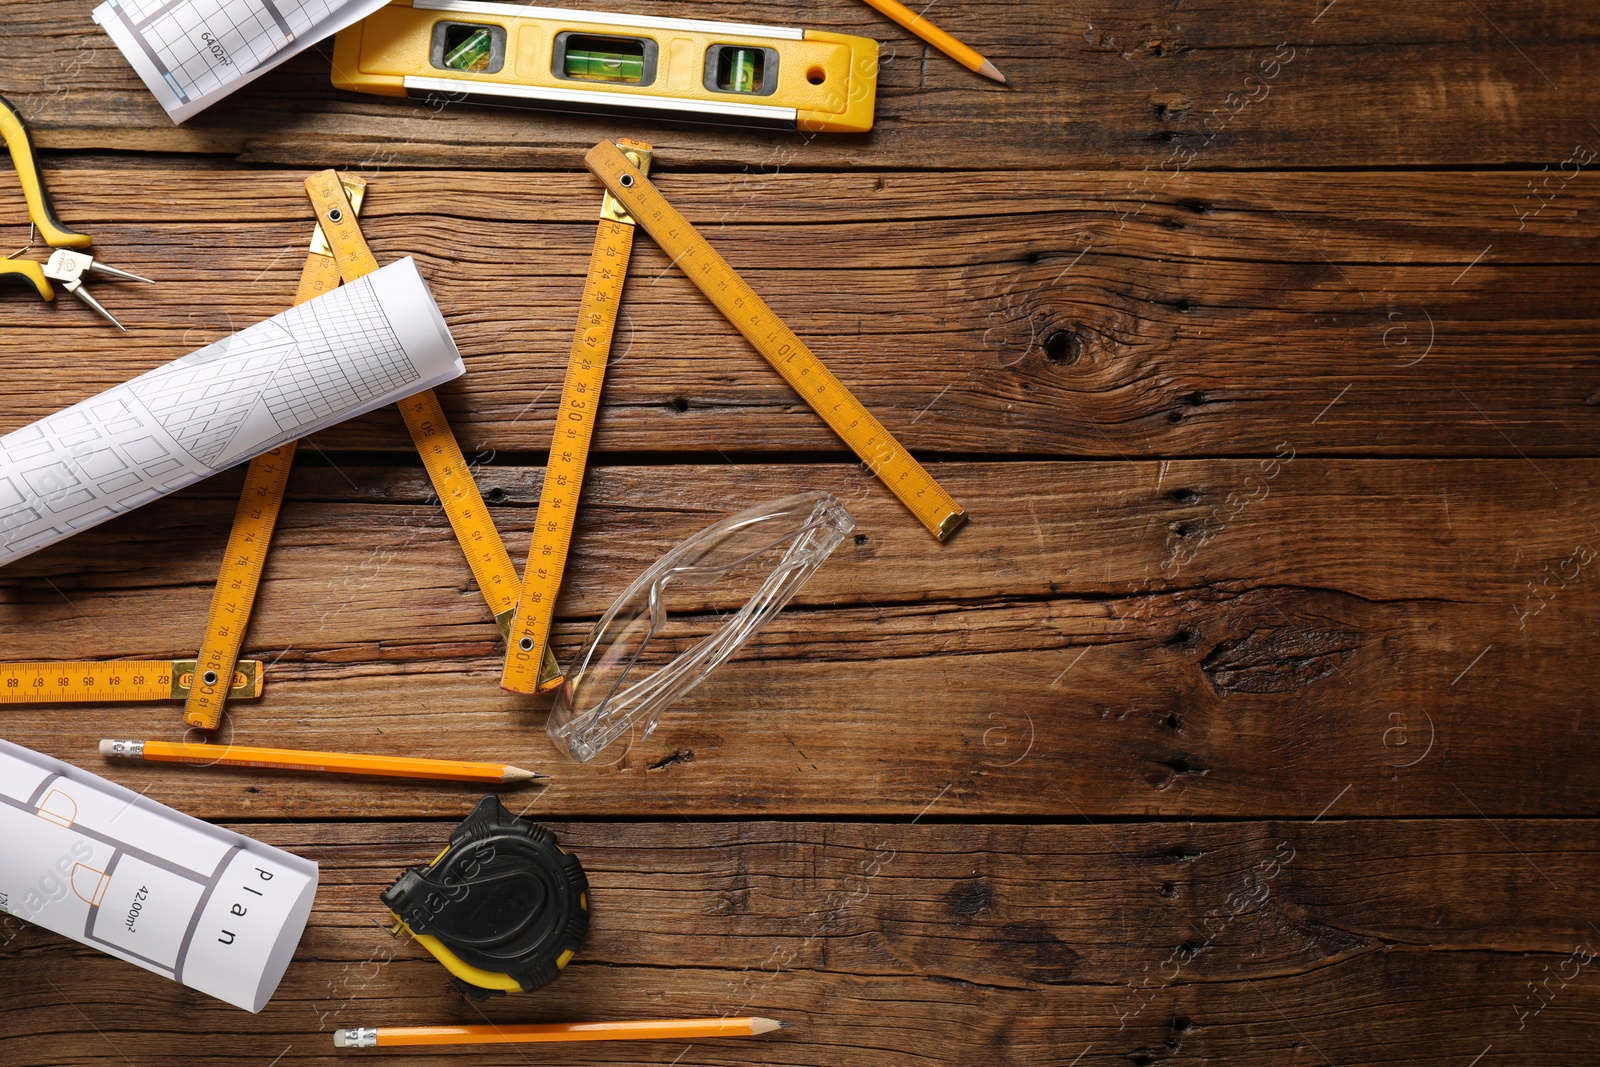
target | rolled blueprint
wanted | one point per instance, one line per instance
(144, 883)
(372, 342)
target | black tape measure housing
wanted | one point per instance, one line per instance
(503, 898)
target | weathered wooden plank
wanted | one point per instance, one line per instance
(1409, 942)
(1097, 84)
(1222, 314)
(1198, 637)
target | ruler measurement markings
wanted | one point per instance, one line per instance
(776, 342)
(576, 416)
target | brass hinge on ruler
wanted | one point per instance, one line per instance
(115, 681)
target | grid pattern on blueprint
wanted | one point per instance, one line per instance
(348, 355)
(200, 45)
(203, 399)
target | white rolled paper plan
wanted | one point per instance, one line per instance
(372, 342)
(114, 870)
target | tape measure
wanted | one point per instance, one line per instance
(762, 327)
(115, 681)
(503, 907)
(592, 62)
(569, 447)
(338, 251)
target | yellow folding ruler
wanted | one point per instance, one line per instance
(529, 639)
(762, 327)
(114, 681)
(257, 514)
(631, 198)
(339, 251)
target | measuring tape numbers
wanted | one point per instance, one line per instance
(430, 431)
(762, 327)
(115, 681)
(260, 501)
(569, 446)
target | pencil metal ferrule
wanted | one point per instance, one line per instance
(123, 749)
(360, 1037)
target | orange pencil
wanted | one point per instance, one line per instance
(939, 39)
(642, 1030)
(293, 759)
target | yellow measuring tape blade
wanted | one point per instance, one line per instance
(242, 564)
(762, 327)
(260, 501)
(115, 681)
(430, 431)
(569, 447)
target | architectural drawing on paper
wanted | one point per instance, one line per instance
(192, 52)
(303, 370)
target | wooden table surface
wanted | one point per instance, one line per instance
(1249, 721)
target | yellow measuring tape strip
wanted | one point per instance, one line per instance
(762, 327)
(115, 681)
(144, 680)
(529, 639)
(430, 431)
(338, 251)
(260, 501)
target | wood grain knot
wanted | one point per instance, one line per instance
(1170, 107)
(1279, 659)
(1039, 955)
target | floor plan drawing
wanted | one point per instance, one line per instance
(363, 345)
(193, 52)
(100, 864)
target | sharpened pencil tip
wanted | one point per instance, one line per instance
(517, 774)
(989, 70)
(765, 1026)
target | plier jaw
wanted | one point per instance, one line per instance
(68, 268)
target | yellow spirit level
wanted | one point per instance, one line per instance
(772, 77)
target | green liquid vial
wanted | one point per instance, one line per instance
(471, 54)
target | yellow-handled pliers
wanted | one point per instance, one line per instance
(66, 265)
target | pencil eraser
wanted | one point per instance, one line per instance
(341, 1039)
(108, 748)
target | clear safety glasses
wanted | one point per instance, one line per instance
(625, 674)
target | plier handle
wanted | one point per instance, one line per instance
(65, 266)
